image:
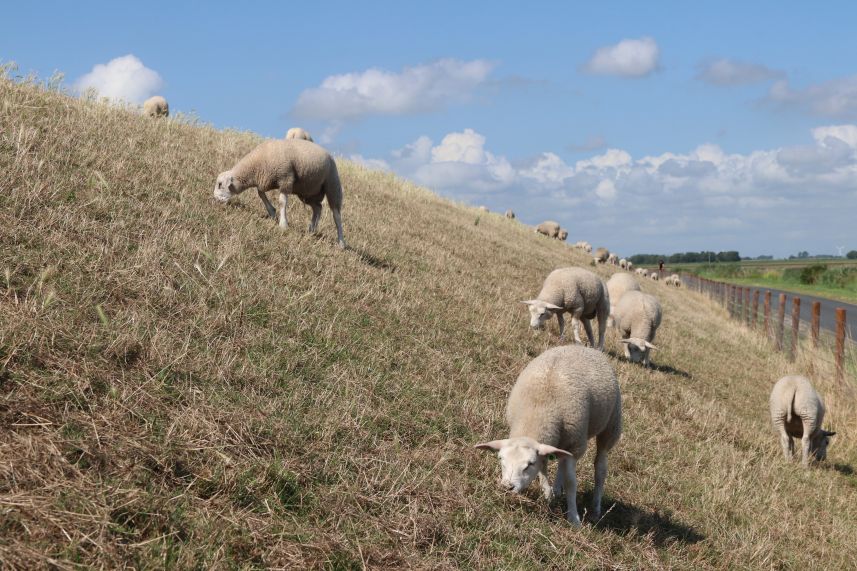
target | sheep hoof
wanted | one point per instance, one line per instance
(341, 244)
(573, 519)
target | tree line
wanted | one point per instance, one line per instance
(686, 258)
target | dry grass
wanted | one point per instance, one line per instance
(183, 385)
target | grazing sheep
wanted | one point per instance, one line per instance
(564, 397)
(654, 276)
(587, 247)
(578, 292)
(156, 106)
(642, 272)
(484, 209)
(510, 214)
(797, 410)
(630, 265)
(676, 280)
(600, 256)
(617, 285)
(563, 234)
(548, 228)
(637, 317)
(623, 263)
(613, 259)
(298, 133)
(290, 166)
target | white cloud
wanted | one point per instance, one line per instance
(836, 98)
(372, 164)
(726, 72)
(121, 79)
(628, 58)
(416, 89)
(606, 190)
(461, 160)
(846, 133)
(549, 170)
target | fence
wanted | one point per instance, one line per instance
(742, 304)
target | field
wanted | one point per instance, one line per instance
(183, 385)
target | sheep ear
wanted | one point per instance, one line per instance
(625, 341)
(552, 306)
(547, 449)
(650, 346)
(826, 433)
(530, 302)
(495, 445)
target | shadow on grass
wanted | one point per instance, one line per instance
(659, 368)
(844, 469)
(372, 260)
(623, 519)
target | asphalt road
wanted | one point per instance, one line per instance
(828, 308)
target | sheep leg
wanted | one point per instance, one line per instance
(337, 219)
(571, 491)
(561, 321)
(600, 477)
(575, 324)
(268, 206)
(284, 203)
(560, 478)
(804, 441)
(587, 326)
(316, 214)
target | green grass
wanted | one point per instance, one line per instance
(184, 385)
(836, 294)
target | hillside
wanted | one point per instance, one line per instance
(185, 386)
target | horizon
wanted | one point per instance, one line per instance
(673, 129)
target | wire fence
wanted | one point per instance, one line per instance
(778, 317)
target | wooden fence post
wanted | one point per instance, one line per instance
(816, 323)
(768, 313)
(781, 318)
(795, 325)
(755, 317)
(840, 344)
(747, 306)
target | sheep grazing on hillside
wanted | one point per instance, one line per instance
(298, 133)
(629, 266)
(641, 272)
(654, 276)
(510, 214)
(617, 285)
(548, 228)
(587, 247)
(290, 166)
(673, 280)
(623, 263)
(613, 259)
(563, 234)
(484, 209)
(564, 397)
(578, 292)
(637, 317)
(156, 106)
(600, 256)
(797, 411)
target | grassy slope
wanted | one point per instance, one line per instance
(185, 385)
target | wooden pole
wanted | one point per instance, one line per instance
(816, 323)
(840, 344)
(781, 318)
(755, 318)
(768, 313)
(795, 325)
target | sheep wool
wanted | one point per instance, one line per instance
(156, 106)
(548, 228)
(290, 166)
(298, 133)
(797, 411)
(617, 285)
(562, 399)
(601, 255)
(510, 214)
(637, 317)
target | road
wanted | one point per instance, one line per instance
(828, 307)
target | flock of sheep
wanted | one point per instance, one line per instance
(568, 394)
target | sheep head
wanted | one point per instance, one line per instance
(521, 459)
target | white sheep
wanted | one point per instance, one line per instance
(548, 228)
(563, 234)
(637, 317)
(641, 272)
(797, 410)
(617, 285)
(484, 209)
(578, 292)
(654, 276)
(298, 133)
(510, 214)
(587, 247)
(623, 263)
(613, 259)
(600, 256)
(675, 280)
(630, 266)
(564, 397)
(291, 166)
(156, 106)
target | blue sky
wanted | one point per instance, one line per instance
(645, 127)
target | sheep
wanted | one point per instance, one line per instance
(641, 272)
(623, 263)
(675, 280)
(637, 317)
(510, 214)
(563, 234)
(548, 228)
(562, 398)
(613, 259)
(291, 166)
(484, 209)
(797, 410)
(654, 276)
(629, 265)
(601, 255)
(156, 106)
(587, 247)
(578, 292)
(298, 133)
(617, 285)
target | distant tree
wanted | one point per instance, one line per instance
(803, 254)
(852, 255)
(730, 256)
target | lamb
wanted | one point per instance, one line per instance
(548, 228)
(290, 166)
(578, 292)
(601, 255)
(637, 317)
(587, 247)
(797, 410)
(629, 266)
(676, 280)
(654, 276)
(564, 397)
(617, 285)
(510, 214)
(563, 234)
(613, 259)
(641, 272)
(623, 263)
(156, 106)
(298, 133)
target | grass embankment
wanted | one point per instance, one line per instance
(183, 385)
(837, 281)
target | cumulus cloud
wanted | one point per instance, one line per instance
(835, 99)
(728, 72)
(121, 79)
(628, 58)
(416, 89)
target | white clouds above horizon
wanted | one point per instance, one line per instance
(835, 99)
(729, 72)
(632, 58)
(416, 89)
(123, 78)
